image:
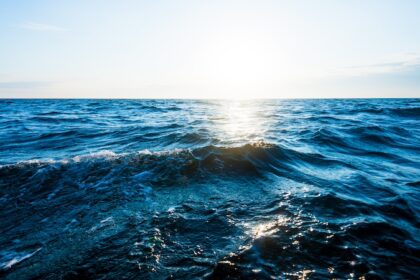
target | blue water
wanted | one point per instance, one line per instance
(185, 189)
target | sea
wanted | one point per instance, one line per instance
(210, 189)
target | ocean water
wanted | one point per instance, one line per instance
(188, 189)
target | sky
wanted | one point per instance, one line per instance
(209, 49)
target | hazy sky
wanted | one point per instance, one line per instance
(209, 49)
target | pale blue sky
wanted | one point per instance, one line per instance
(205, 49)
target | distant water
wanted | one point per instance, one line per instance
(158, 189)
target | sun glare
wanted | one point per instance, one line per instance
(241, 121)
(239, 65)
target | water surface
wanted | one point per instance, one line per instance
(158, 189)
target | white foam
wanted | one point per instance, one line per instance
(104, 154)
(17, 258)
(101, 154)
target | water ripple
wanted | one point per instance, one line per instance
(173, 189)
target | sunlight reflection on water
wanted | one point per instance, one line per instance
(267, 228)
(242, 121)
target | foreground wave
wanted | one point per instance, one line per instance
(325, 196)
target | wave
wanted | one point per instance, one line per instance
(322, 253)
(9, 259)
(364, 140)
(251, 159)
(406, 112)
(331, 192)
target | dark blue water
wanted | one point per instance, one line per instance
(158, 189)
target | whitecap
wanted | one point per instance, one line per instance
(15, 257)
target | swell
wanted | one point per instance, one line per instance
(407, 112)
(365, 140)
(167, 167)
(335, 196)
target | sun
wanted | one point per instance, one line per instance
(237, 65)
